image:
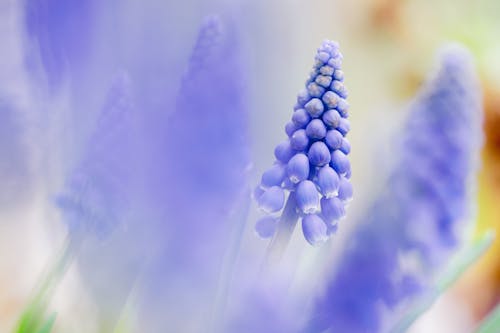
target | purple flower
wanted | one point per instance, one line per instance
(202, 184)
(62, 32)
(207, 137)
(314, 155)
(14, 169)
(418, 217)
(95, 196)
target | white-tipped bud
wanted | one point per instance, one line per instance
(298, 168)
(328, 182)
(272, 200)
(314, 229)
(307, 197)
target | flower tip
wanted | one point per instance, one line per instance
(272, 200)
(454, 55)
(345, 189)
(298, 168)
(314, 229)
(266, 227)
(283, 151)
(328, 182)
(299, 140)
(332, 209)
(274, 176)
(314, 107)
(307, 197)
(319, 154)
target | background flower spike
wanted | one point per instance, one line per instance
(204, 185)
(95, 194)
(420, 213)
(319, 124)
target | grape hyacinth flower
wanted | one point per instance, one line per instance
(311, 164)
(416, 223)
(95, 195)
(205, 183)
(59, 30)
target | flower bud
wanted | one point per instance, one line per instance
(339, 88)
(345, 146)
(299, 140)
(319, 154)
(274, 176)
(331, 118)
(283, 152)
(326, 70)
(298, 168)
(331, 99)
(345, 189)
(344, 126)
(315, 90)
(334, 139)
(328, 182)
(316, 129)
(332, 209)
(314, 229)
(323, 80)
(314, 107)
(301, 118)
(307, 197)
(340, 162)
(290, 128)
(272, 200)
(266, 226)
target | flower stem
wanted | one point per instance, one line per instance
(284, 232)
(238, 219)
(34, 316)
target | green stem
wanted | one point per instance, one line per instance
(34, 315)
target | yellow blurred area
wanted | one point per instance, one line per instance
(481, 285)
(415, 36)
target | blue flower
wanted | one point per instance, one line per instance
(14, 169)
(315, 154)
(62, 31)
(207, 140)
(202, 183)
(95, 196)
(417, 218)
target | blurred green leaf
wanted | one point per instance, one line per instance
(47, 326)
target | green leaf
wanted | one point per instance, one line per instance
(48, 325)
(34, 318)
(463, 261)
(467, 258)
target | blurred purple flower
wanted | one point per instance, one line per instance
(15, 171)
(96, 196)
(312, 162)
(207, 157)
(60, 31)
(415, 224)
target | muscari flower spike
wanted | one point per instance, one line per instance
(312, 162)
(207, 156)
(418, 216)
(95, 194)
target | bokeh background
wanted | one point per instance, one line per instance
(389, 49)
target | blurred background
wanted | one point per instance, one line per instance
(389, 48)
